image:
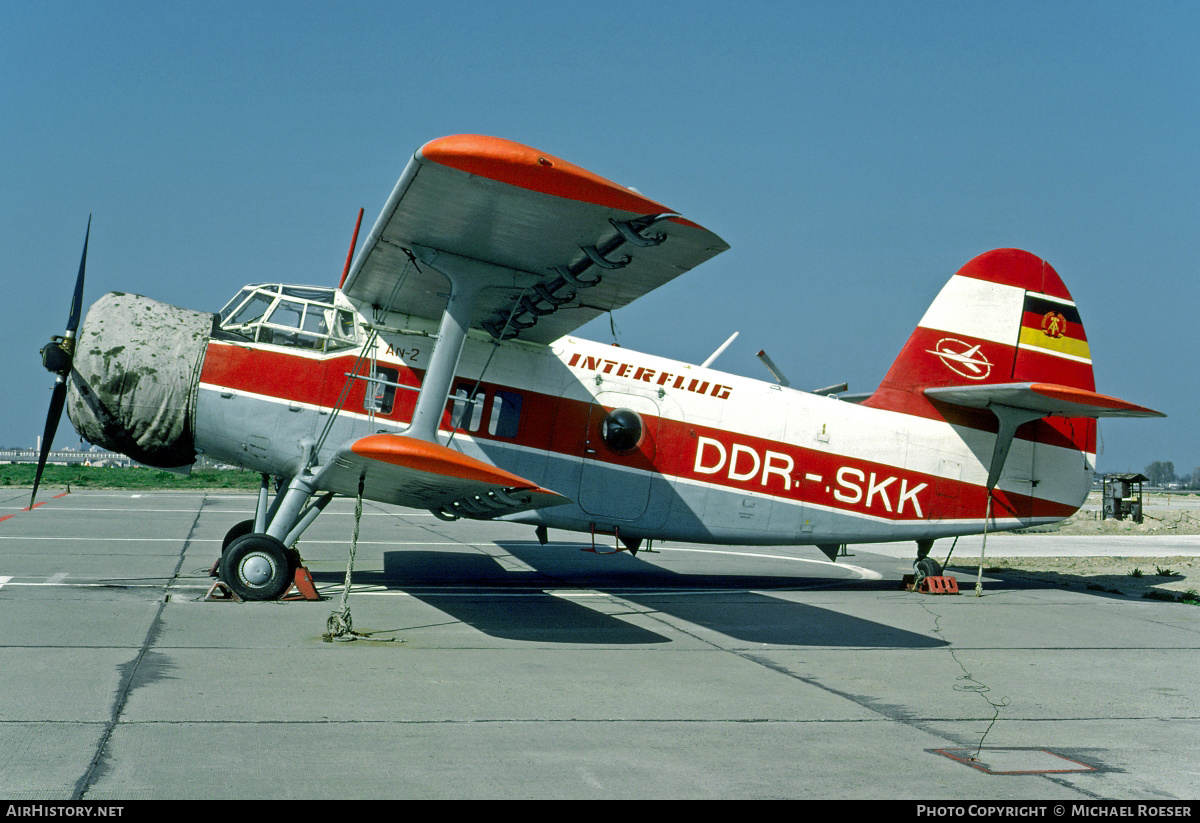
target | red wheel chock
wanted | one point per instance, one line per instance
(220, 591)
(302, 583)
(942, 584)
(302, 586)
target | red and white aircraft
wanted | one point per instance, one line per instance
(441, 375)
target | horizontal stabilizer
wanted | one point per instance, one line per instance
(416, 473)
(1047, 398)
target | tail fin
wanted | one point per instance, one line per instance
(1005, 317)
(1002, 349)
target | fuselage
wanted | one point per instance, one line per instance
(706, 456)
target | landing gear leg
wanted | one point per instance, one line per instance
(263, 513)
(256, 561)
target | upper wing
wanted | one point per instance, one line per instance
(410, 472)
(552, 227)
(1048, 398)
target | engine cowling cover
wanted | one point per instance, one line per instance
(135, 377)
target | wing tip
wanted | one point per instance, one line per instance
(517, 164)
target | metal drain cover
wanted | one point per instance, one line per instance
(1016, 761)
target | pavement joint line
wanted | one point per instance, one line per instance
(85, 781)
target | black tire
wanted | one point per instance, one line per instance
(928, 567)
(257, 567)
(240, 530)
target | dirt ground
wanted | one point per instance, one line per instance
(1160, 578)
(1162, 514)
(1165, 578)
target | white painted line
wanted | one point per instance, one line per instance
(4, 580)
(218, 540)
(372, 590)
(867, 574)
(107, 584)
(328, 513)
(606, 594)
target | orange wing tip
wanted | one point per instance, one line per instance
(434, 458)
(1091, 399)
(528, 168)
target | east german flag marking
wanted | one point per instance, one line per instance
(1053, 326)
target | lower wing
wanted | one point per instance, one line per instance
(408, 472)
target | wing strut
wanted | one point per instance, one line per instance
(468, 278)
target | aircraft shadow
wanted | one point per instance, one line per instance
(732, 604)
(478, 591)
(518, 604)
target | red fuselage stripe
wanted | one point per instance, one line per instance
(674, 448)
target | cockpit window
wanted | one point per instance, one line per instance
(308, 293)
(232, 305)
(299, 316)
(251, 310)
(287, 313)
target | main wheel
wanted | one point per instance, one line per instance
(257, 567)
(240, 530)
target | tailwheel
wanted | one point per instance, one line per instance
(925, 566)
(257, 567)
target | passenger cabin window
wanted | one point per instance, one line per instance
(506, 414)
(470, 409)
(466, 412)
(302, 317)
(381, 391)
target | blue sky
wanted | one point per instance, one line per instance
(853, 154)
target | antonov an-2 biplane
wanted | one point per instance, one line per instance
(441, 375)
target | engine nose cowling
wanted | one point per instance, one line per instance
(134, 382)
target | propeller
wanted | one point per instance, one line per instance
(58, 356)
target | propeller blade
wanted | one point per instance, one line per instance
(55, 414)
(77, 300)
(57, 356)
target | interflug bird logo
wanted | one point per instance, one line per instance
(963, 358)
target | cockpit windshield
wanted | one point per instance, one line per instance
(301, 316)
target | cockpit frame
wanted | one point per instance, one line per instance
(312, 318)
